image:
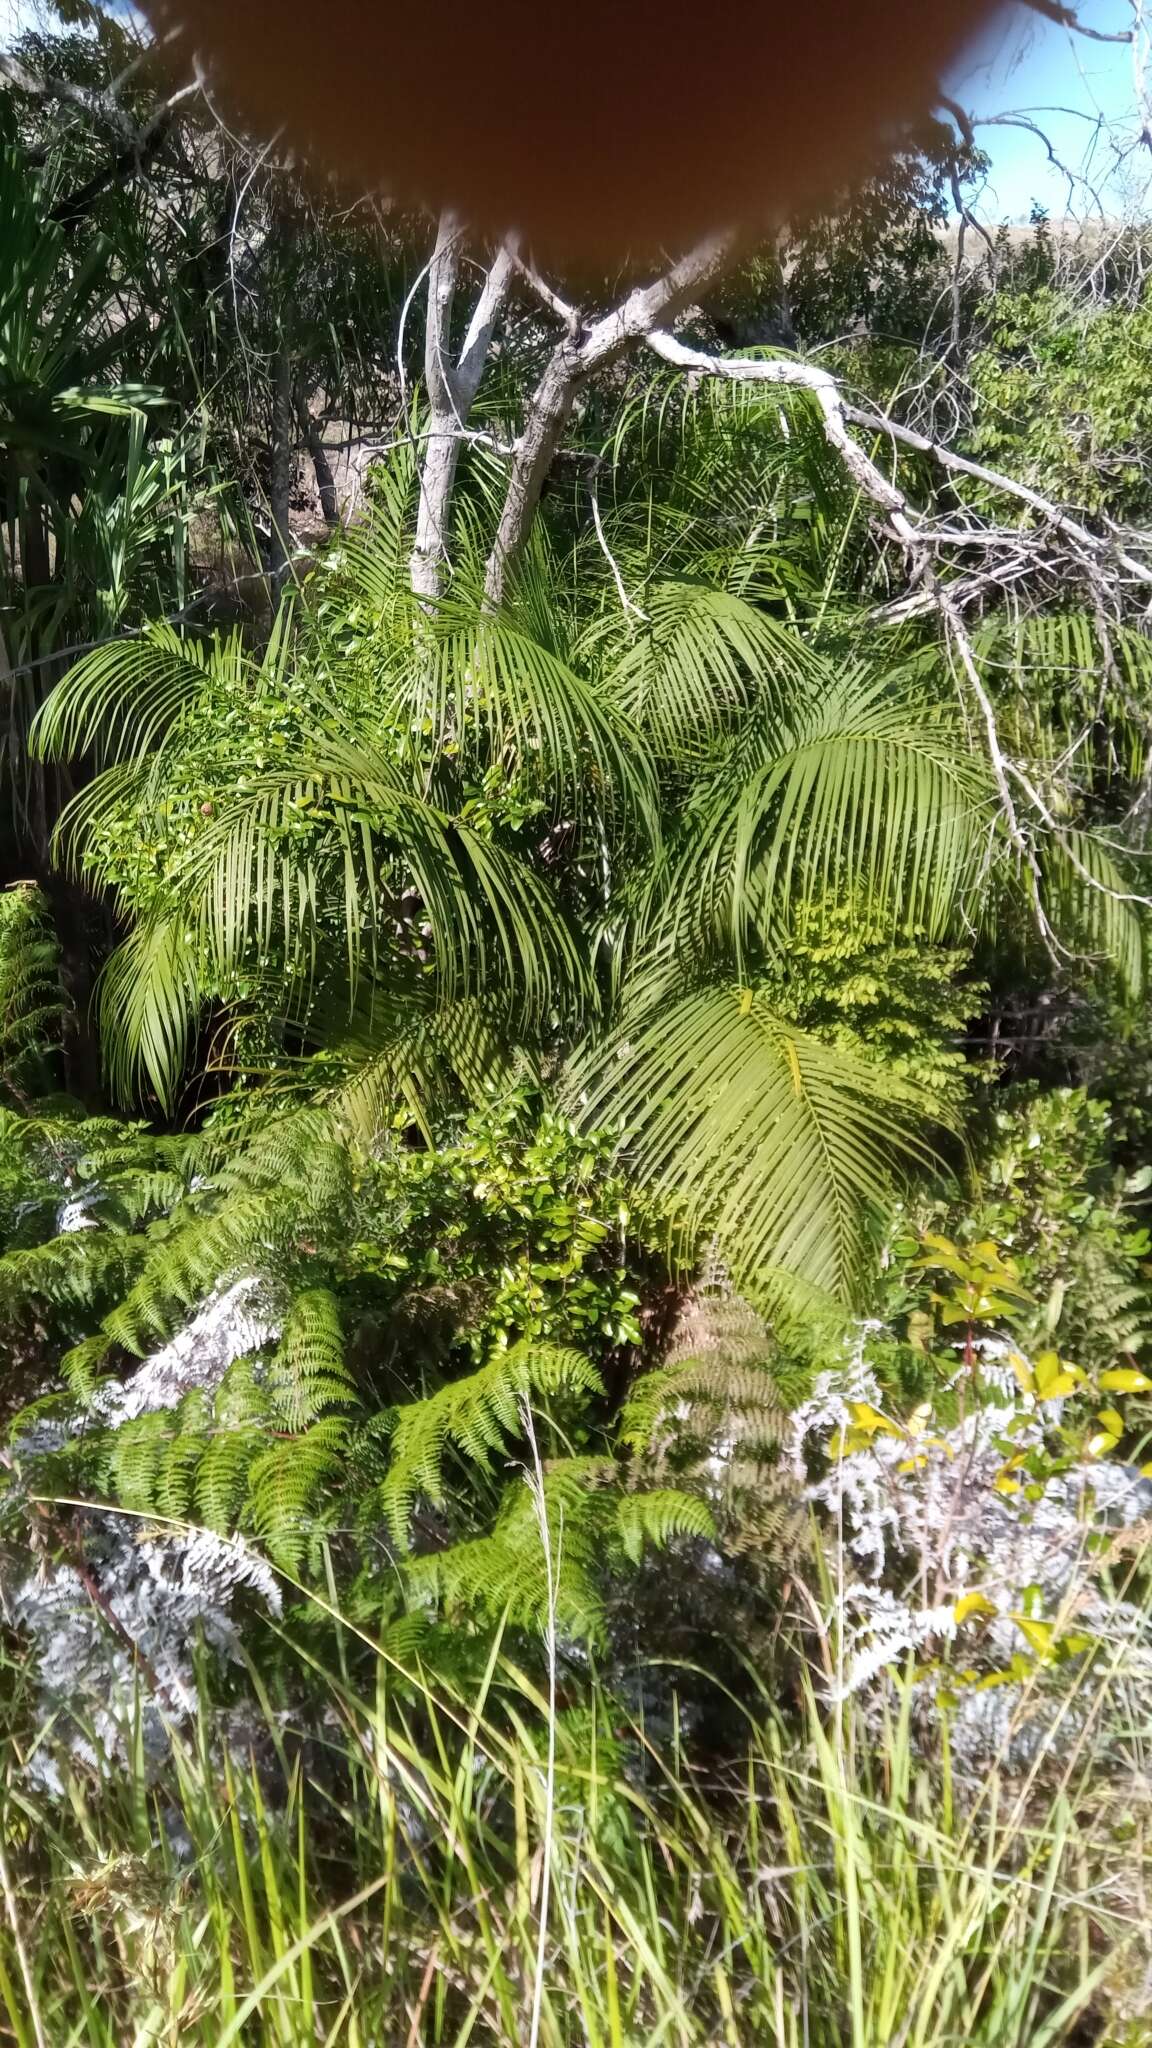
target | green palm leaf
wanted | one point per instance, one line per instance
(497, 692)
(262, 871)
(747, 1127)
(120, 700)
(1096, 905)
(150, 993)
(869, 789)
(702, 658)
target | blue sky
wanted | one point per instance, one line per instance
(1030, 64)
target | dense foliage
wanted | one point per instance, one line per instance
(572, 1161)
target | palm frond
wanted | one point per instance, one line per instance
(1095, 905)
(701, 658)
(150, 993)
(870, 789)
(748, 1128)
(258, 877)
(493, 690)
(398, 1046)
(119, 701)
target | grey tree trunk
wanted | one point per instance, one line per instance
(283, 450)
(322, 468)
(573, 361)
(451, 389)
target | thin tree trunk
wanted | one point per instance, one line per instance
(36, 569)
(451, 392)
(438, 469)
(283, 450)
(325, 481)
(548, 415)
(572, 362)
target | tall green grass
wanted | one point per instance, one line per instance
(371, 1873)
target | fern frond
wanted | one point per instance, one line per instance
(237, 1437)
(657, 1516)
(176, 1477)
(80, 1267)
(137, 1451)
(474, 1416)
(308, 1373)
(32, 1001)
(285, 1482)
(591, 1528)
(698, 1396)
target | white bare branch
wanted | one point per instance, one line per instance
(451, 389)
(1101, 560)
(572, 362)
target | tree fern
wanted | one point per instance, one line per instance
(308, 1374)
(136, 1455)
(237, 1436)
(32, 1001)
(78, 1268)
(474, 1416)
(285, 1482)
(245, 1218)
(657, 1516)
(174, 1484)
(715, 1416)
(591, 1527)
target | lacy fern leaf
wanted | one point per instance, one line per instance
(474, 1416)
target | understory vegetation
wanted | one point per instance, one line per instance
(575, 1113)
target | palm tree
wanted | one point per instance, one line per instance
(586, 830)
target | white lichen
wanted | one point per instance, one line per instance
(913, 1523)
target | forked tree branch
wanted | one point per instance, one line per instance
(1101, 560)
(451, 389)
(584, 351)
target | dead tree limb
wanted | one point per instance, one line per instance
(1101, 560)
(585, 350)
(451, 389)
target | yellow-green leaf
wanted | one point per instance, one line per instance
(869, 1421)
(973, 1603)
(1038, 1634)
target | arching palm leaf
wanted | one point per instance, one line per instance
(700, 659)
(304, 844)
(150, 993)
(119, 701)
(1096, 906)
(492, 691)
(870, 788)
(751, 1129)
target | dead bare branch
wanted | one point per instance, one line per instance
(573, 361)
(451, 390)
